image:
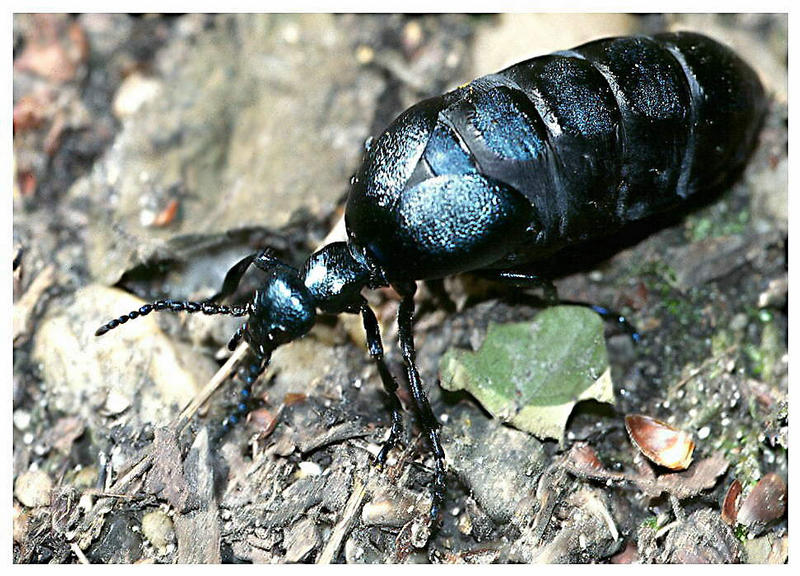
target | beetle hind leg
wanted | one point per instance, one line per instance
(550, 298)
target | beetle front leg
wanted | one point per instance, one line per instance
(405, 319)
(389, 383)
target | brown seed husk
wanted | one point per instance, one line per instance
(765, 502)
(730, 505)
(660, 442)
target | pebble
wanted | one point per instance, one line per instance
(85, 477)
(385, 513)
(33, 488)
(157, 528)
(22, 419)
(133, 93)
(309, 469)
(116, 403)
(465, 524)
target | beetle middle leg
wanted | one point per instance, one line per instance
(405, 319)
(529, 280)
(526, 280)
(389, 383)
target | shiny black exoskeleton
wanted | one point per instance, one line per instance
(504, 171)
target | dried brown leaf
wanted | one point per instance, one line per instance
(701, 476)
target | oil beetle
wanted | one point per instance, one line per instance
(502, 172)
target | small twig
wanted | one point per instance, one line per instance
(104, 494)
(208, 390)
(345, 525)
(79, 553)
(680, 515)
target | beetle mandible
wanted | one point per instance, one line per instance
(500, 173)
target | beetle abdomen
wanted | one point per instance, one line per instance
(604, 134)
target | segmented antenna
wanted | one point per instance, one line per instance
(174, 306)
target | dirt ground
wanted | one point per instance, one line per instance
(151, 153)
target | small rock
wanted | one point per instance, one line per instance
(768, 549)
(22, 419)
(157, 528)
(465, 524)
(21, 522)
(85, 477)
(136, 361)
(308, 468)
(390, 508)
(116, 403)
(500, 465)
(33, 488)
(703, 538)
(133, 93)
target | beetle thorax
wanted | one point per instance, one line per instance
(335, 278)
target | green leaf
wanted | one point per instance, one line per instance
(531, 374)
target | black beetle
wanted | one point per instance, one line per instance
(505, 171)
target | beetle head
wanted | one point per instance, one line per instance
(282, 310)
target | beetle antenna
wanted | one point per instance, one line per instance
(205, 307)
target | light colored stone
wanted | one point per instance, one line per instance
(133, 93)
(157, 528)
(33, 488)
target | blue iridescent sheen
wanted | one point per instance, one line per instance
(445, 155)
(504, 127)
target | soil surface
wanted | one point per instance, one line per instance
(152, 153)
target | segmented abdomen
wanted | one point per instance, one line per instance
(603, 134)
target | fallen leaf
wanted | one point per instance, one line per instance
(701, 476)
(532, 374)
